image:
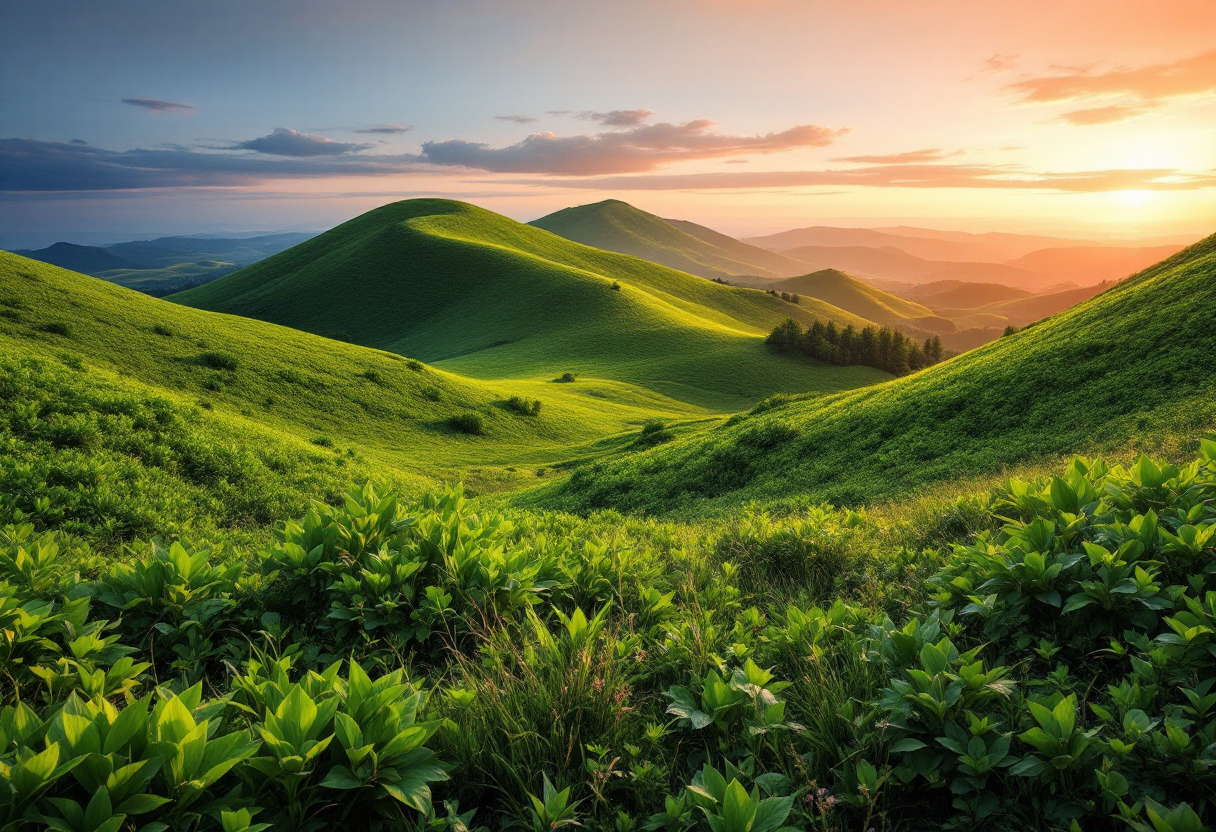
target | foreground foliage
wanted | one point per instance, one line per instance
(381, 665)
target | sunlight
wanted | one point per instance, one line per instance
(1133, 198)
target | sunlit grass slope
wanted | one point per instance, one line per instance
(302, 388)
(847, 292)
(618, 226)
(483, 295)
(1132, 366)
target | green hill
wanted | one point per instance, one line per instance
(482, 295)
(1132, 365)
(849, 293)
(287, 392)
(618, 226)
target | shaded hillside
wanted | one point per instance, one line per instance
(84, 259)
(486, 296)
(1132, 363)
(617, 226)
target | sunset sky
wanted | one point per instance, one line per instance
(1073, 117)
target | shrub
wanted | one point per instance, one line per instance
(415, 365)
(470, 423)
(372, 375)
(323, 441)
(55, 328)
(616, 287)
(654, 432)
(162, 329)
(524, 406)
(218, 360)
(566, 378)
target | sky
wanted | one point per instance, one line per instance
(1082, 118)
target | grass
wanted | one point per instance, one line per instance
(618, 226)
(473, 292)
(1123, 369)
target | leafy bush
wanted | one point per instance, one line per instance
(55, 328)
(218, 360)
(470, 423)
(566, 378)
(654, 432)
(524, 406)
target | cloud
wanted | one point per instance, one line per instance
(517, 119)
(909, 176)
(617, 118)
(30, 165)
(1000, 62)
(910, 157)
(641, 149)
(158, 106)
(1139, 90)
(1105, 115)
(286, 142)
(386, 129)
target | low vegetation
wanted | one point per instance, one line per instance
(1040, 658)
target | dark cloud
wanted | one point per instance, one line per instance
(641, 149)
(286, 142)
(517, 119)
(29, 165)
(386, 129)
(78, 141)
(911, 157)
(158, 106)
(1136, 90)
(909, 176)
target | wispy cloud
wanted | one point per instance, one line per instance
(157, 106)
(517, 119)
(1000, 62)
(1136, 90)
(386, 129)
(908, 176)
(617, 118)
(910, 157)
(640, 149)
(287, 142)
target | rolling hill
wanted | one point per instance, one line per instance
(85, 259)
(957, 294)
(294, 395)
(849, 293)
(617, 226)
(484, 296)
(1130, 367)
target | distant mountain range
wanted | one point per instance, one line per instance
(165, 264)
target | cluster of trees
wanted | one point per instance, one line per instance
(788, 297)
(886, 348)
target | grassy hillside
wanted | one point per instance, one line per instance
(309, 392)
(485, 296)
(1131, 365)
(618, 226)
(85, 259)
(849, 293)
